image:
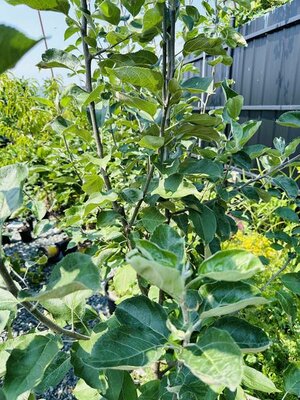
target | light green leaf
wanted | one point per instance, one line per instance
(215, 359)
(157, 266)
(152, 142)
(45, 5)
(291, 379)
(151, 218)
(199, 85)
(12, 178)
(27, 363)
(133, 6)
(152, 18)
(292, 282)
(207, 133)
(234, 106)
(255, 380)
(250, 338)
(202, 43)
(147, 106)
(14, 45)
(183, 190)
(55, 372)
(290, 119)
(7, 301)
(203, 119)
(139, 76)
(54, 58)
(230, 265)
(4, 318)
(74, 272)
(83, 391)
(109, 12)
(92, 184)
(221, 298)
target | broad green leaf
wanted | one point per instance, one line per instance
(208, 133)
(107, 218)
(203, 119)
(44, 5)
(292, 147)
(221, 298)
(290, 119)
(255, 380)
(184, 189)
(80, 359)
(137, 341)
(133, 6)
(212, 169)
(193, 388)
(109, 12)
(152, 142)
(292, 282)
(120, 386)
(215, 359)
(141, 77)
(230, 265)
(157, 266)
(287, 214)
(132, 195)
(54, 58)
(27, 364)
(152, 17)
(139, 311)
(128, 389)
(147, 106)
(149, 390)
(151, 218)
(14, 45)
(140, 58)
(250, 338)
(287, 184)
(249, 129)
(234, 106)
(199, 85)
(83, 391)
(202, 43)
(4, 318)
(92, 184)
(288, 303)
(167, 238)
(291, 379)
(74, 272)
(12, 178)
(55, 372)
(7, 301)
(204, 222)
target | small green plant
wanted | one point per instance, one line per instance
(155, 193)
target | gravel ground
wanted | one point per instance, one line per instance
(25, 322)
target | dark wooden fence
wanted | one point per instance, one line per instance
(267, 72)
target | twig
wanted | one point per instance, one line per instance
(274, 276)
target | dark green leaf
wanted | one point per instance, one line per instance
(290, 119)
(54, 58)
(292, 379)
(198, 85)
(292, 282)
(46, 5)
(287, 184)
(204, 222)
(288, 303)
(209, 168)
(132, 195)
(167, 238)
(203, 43)
(107, 218)
(287, 214)
(133, 6)
(151, 218)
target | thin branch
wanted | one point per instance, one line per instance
(107, 49)
(274, 276)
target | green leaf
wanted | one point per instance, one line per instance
(209, 168)
(140, 58)
(288, 303)
(14, 45)
(292, 282)
(133, 6)
(74, 272)
(151, 218)
(54, 58)
(291, 379)
(109, 12)
(203, 119)
(199, 85)
(157, 266)
(255, 380)
(215, 359)
(287, 214)
(107, 218)
(222, 298)
(149, 390)
(152, 142)
(230, 265)
(92, 184)
(207, 133)
(234, 106)
(204, 222)
(147, 106)
(138, 341)
(287, 184)
(250, 338)
(4, 318)
(152, 18)
(7, 301)
(140, 77)
(184, 189)
(55, 372)
(84, 392)
(44, 5)
(167, 238)
(27, 363)
(132, 195)
(12, 178)
(203, 43)
(193, 388)
(290, 119)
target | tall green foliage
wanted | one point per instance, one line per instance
(155, 186)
